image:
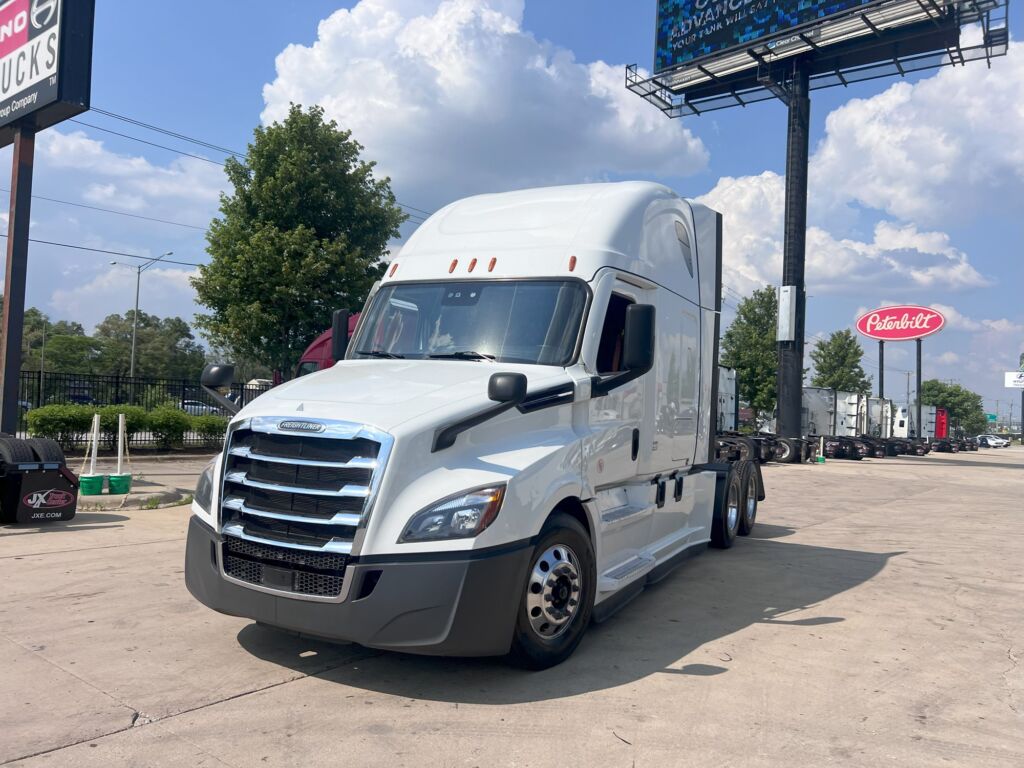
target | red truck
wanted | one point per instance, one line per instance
(318, 354)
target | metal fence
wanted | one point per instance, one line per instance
(38, 388)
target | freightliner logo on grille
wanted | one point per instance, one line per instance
(301, 426)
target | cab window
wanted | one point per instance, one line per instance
(609, 351)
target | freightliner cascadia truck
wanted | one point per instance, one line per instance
(517, 438)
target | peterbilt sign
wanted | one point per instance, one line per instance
(45, 62)
(901, 323)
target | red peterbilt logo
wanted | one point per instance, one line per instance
(50, 499)
(902, 323)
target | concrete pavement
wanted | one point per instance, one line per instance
(875, 617)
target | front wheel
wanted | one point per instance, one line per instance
(726, 521)
(558, 596)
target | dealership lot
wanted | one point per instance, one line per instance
(876, 616)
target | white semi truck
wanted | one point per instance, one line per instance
(519, 436)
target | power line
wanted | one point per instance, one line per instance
(202, 143)
(167, 132)
(143, 141)
(111, 210)
(109, 252)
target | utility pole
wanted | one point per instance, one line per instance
(139, 269)
(793, 294)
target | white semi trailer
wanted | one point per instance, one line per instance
(518, 438)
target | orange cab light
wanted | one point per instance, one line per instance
(472, 264)
(455, 263)
(572, 263)
(490, 267)
(394, 268)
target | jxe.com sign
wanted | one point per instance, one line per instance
(902, 323)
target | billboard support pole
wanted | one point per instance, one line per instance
(881, 369)
(17, 268)
(791, 349)
(920, 432)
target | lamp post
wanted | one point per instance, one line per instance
(139, 269)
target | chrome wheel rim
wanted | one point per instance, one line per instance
(554, 591)
(751, 498)
(732, 508)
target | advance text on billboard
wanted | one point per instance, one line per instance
(29, 55)
(692, 29)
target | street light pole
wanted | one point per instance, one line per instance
(139, 269)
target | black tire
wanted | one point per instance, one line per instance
(725, 523)
(879, 453)
(46, 449)
(15, 451)
(562, 536)
(748, 508)
(784, 451)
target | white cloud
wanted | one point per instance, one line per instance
(960, 322)
(163, 292)
(455, 98)
(944, 147)
(897, 253)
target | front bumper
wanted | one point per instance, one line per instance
(458, 604)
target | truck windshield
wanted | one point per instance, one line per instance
(510, 321)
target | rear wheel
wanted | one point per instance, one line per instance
(558, 596)
(726, 522)
(747, 448)
(784, 451)
(748, 508)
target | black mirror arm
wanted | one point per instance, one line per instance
(228, 405)
(445, 436)
(602, 385)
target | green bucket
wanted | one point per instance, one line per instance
(90, 485)
(119, 483)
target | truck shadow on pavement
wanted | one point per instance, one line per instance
(679, 627)
(82, 521)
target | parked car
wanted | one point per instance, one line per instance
(199, 408)
(993, 441)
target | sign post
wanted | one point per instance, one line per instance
(903, 322)
(45, 77)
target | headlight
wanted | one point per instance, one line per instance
(204, 488)
(456, 517)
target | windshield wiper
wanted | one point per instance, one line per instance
(380, 353)
(462, 354)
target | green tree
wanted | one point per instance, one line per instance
(303, 233)
(963, 406)
(749, 346)
(164, 347)
(837, 363)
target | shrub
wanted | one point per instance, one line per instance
(168, 425)
(210, 428)
(67, 424)
(135, 420)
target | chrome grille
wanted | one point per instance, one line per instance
(305, 573)
(307, 492)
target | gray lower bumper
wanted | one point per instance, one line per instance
(462, 606)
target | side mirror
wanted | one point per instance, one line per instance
(638, 338)
(339, 334)
(637, 350)
(507, 388)
(217, 375)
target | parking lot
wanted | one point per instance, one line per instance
(875, 617)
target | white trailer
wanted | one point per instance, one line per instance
(519, 437)
(728, 400)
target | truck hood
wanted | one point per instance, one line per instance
(387, 393)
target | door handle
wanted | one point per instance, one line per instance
(636, 443)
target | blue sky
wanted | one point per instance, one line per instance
(916, 191)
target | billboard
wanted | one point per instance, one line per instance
(1014, 379)
(45, 61)
(900, 323)
(688, 30)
